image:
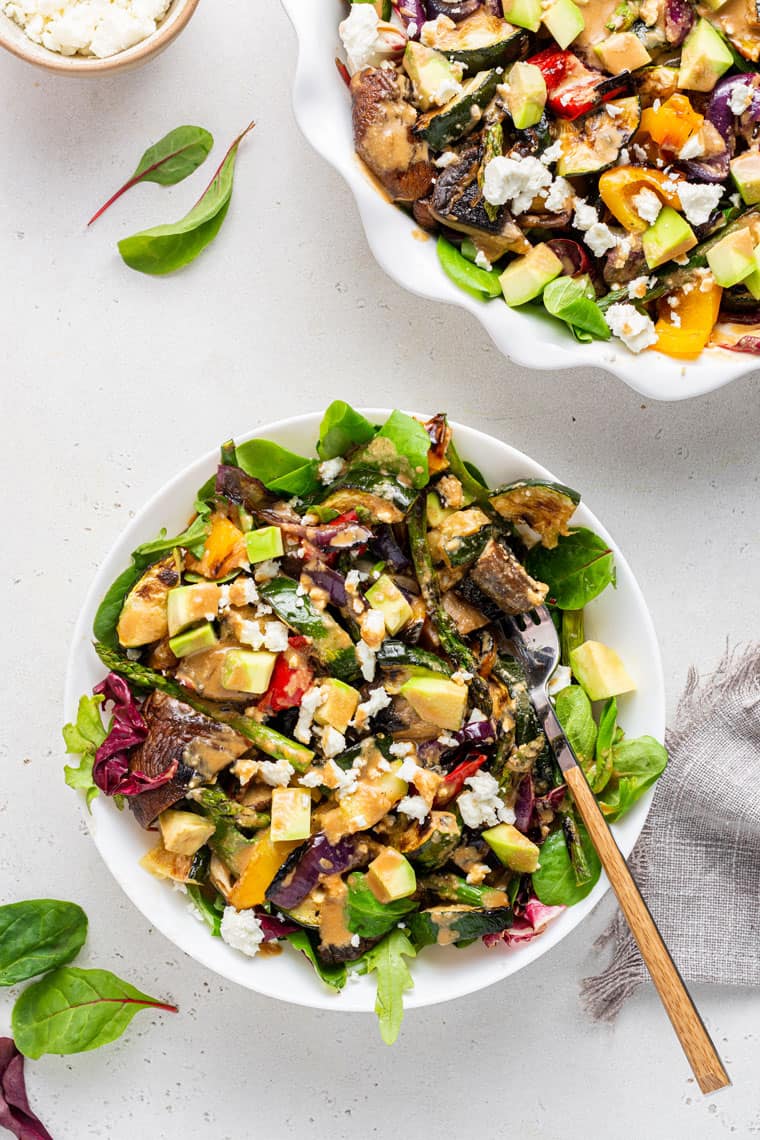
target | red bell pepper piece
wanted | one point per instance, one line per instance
(453, 781)
(291, 678)
(572, 90)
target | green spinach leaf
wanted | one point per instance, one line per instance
(366, 916)
(411, 440)
(482, 284)
(554, 882)
(393, 979)
(165, 249)
(342, 427)
(72, 1010)
(599, 775)
(572, 299)
(167, 162)
(207, 910)
(576, 716)
(83, 738)
(636, 765)
(579, 567)
(36, 935)
(333, 976)
(277, 468)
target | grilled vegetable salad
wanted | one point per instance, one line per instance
(314, 707)
(598, 161)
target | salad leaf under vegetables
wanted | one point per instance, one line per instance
(554, 882)
(342, 427)
(636, 765)
(83, 738)
(572, 300)
(366, 916)
(482, 284)
(411, 440)
(576, 716)
(387, 959)
(576, 570)
(277, 468)
(333, 976)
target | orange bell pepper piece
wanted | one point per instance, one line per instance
(697, 312)
(673, 123)
(263, 864)
(223, 551)
(619, 186)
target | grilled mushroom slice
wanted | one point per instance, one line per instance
(457, 202)
(503, 579)
(383, 119)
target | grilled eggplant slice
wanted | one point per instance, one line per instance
(458, 203)
(383, 119)
(545, 507)
(480, 41)
(462, 114)
(593, 143)
(506, 581)
(457, 923)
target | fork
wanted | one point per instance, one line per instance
(534, 639)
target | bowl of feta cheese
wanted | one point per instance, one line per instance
(90, 37)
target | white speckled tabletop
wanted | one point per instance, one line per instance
(111, 381)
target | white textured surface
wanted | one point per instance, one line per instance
(110, 381)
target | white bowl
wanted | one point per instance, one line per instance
(619, 617)
(323, 111)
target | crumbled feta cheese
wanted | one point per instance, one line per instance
(87, 27)
(639, 153)
(740, 98)
(372, 624)
(675, 320)
(314, 778)
(446, 89)
(624, 157)
(250, 593)
(244, 769)
(275, 636)
(224, 599)
(354, 578)
(482, 804)
(692, 148)
(432, 29)
(482, 261)
(310, 702)
(448, 741)
(735, 199)
(414, 806)
(560, 679)
(355, 940)
(250, 633)
(552, 153)
(402, 748)
(647, 205)
(331, 469)
(585, 216)
(333, 742)
(276, 773)
(366, 658)
(514, 180)
(377, 700)
(560, 196)
(270, 568)
(359, 33)
(613, 111)
(698, 200)
(476, 717)
(638, 287)
(448, 158)
(408, 770)
(599, 238)
(635, 329)
(461, 677)
(241, 929)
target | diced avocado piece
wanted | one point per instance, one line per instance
(525, 277)
(436, 512)
(291, 814)
(143, 616)
(368, 803)
(189, 604)
(247, 670)
(705, 56)
(622, 51)
(523, 13)
(563, 20)
(670, 236)
(264, 543)
(526, 95)
(600, 671)
(434, 78)
(752, 283)
(390, 876)
(183, 832)
(437, 700)
(193, 640)
(745, 171)
(386, 597)
(512, 848)
(339, 705)
(732, 258)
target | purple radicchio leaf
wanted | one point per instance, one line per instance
(413, 16)
(476, 732)
(110, 771)
(534, 920)
(15, 1112)
(273, 926)
(748, 344)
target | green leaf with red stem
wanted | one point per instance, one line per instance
(169, 161)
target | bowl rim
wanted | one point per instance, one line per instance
(358, 997)
(175, 20)
(532, 340)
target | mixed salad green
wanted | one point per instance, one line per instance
(313, 704)
(598, 161)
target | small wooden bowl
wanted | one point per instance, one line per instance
(16, 41)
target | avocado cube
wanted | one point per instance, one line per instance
(732, 258)
(600, 671)
(670, 236)
(512, 848)
(247, 670)
(523, 13)
(752, 283)
(183, 832)
(368, 803)
(339, 705)
(386, 597)
(435, 80)
(264, 543)
(705, 56)
(437, 700)
(391, 876)
(622, 51)
(563, 20)
(187, 605)
(291, 814)
(193, 640)
(745, 171)
(436, 512)
(526, 95)
(525, 277)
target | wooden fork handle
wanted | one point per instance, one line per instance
(695, 1040)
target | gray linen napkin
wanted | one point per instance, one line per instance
(697, 860)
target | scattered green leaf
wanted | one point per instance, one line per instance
(37, 935)
(636, 765)
(576, 716)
